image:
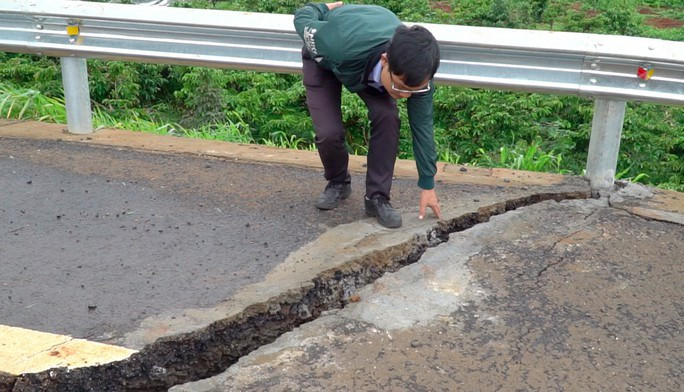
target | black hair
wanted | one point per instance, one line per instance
(413, 54)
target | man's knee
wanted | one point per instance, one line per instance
(330, 138)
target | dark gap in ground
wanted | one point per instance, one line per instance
(6, 382)
(209, 351)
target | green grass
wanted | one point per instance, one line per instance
(29, 104)
(20, 103)
(522, 157)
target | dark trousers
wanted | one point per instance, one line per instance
(323, 97)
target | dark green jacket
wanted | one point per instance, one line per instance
(348, 41)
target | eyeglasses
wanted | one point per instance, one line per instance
(399, 90)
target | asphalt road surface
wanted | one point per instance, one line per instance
(96, 239)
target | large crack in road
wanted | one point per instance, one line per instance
(208, 351)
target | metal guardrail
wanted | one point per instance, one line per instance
(611, 69)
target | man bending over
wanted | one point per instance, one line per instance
(369, 51)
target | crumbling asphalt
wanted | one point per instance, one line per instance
(172, 253)
(570, 296)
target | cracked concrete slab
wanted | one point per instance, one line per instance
(322, 269)
(555, 296)
(338, 248)
(650, 203)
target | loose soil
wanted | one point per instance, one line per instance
(664, 23)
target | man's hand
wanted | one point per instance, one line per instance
(428, 198)
(332, 6)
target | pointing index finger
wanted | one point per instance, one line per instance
(437, 210)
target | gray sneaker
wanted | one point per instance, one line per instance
(333, 194)
(379, 206)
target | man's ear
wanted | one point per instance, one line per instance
(383, 59)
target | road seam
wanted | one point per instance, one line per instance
(211, 350)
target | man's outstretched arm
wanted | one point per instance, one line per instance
(420, 111)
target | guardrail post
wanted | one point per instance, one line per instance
(604, 145)
(77, 95)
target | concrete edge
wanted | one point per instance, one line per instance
(446, 172)
(649, 203)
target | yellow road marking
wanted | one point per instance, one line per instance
(26, 351)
